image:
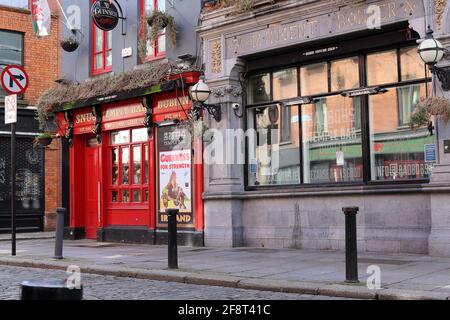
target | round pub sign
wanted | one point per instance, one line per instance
(105, 15)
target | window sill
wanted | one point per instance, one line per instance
(323, 190)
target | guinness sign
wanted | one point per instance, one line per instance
(105, 15)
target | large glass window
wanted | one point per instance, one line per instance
(332, 150)
(399, 153)
(11, 50)
(129, 166)
(323, 142)
(271, 161)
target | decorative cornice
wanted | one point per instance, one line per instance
(220, 92)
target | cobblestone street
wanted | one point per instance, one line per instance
(115, 288)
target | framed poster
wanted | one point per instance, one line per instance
(175, 176)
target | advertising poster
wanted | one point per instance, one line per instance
(175, 175)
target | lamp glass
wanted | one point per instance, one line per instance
(431, 51)
(200, 92)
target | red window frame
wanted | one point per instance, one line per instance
(143, 185)
(104, 51)
(155, 54)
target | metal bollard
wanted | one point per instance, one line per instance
(52, 289)
(172, 238)
(59, 233)
(351, 252)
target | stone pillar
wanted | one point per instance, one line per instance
(439, 239)
(224, 175)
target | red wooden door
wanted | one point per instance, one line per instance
(91, 191)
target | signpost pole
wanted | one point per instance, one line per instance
(13, 189)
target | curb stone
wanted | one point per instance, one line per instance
(330, 290)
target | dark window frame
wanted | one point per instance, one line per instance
(365, 121)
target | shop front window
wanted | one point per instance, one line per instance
(129, 166)
(399, 153)
(343, 135)
(272, 162)
(332, 150)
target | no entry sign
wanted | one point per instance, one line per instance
(14, 79)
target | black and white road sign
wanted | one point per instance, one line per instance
(14, 79)
(11, 109)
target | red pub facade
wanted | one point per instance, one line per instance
(130, 161)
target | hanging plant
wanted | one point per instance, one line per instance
(70, 44)
(158, 21)
(43, 140)
(428, 107)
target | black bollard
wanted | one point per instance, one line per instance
(351, 251)
(53, 289)
(172, 238)
(59, 233)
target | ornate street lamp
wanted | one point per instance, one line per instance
(200, 92)
(431, 51)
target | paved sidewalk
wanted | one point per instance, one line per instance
(28, 236)
(282, 270)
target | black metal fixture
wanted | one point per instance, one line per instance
(97, 113)
(68, 115)
(199, 93)
(431, 51)
(147, 102)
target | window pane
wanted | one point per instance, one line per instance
(146, 165)
(332, 150)
(148, 5)
(285, 84)
(272, 163)
(412, 66)
(125, 166)
(161, 5)
(120, 137)
(258, 89)
(345, 74)
(314, 79)
(150, 48)
(109, 37)
(109, 58)
(99, 61)
(137, 196)
(10, 48)
(162, 44)
(398, 152)
(382, 68)
(125, 196)
(137, 165)
(114, 196)
(114, 166)
(98, 40)
(139, 135)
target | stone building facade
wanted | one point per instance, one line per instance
(329, 90)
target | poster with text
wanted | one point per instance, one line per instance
(175, 176)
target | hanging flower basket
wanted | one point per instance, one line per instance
(158, 20)
(69, 44)
(43, 140)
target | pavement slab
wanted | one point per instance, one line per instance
(279, 270)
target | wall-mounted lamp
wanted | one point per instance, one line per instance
(431, 51)
(200, 92)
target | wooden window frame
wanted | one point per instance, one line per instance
(104, 51)
(155, 55)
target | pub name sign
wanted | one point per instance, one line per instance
(343, 20)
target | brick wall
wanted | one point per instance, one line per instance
(42, 63)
